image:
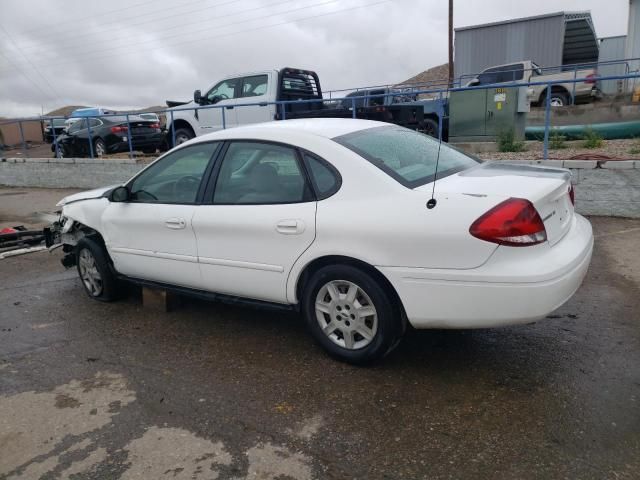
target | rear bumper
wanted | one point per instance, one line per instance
(515, 286)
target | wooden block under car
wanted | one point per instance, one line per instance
(159, 300)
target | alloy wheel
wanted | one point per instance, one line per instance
(346, 314)
(89, 273)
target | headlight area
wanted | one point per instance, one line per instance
(65, 233)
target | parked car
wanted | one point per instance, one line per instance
(150, 116)
(56, 125)
(335, 218)
(261, 90)
(561, 92)
(83, 113)
(110, 135)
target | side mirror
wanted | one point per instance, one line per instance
(197, 96)
(474, 82)
(120, 194)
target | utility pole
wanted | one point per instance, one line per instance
(451, 43)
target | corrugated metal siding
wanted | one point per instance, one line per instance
(612, 48)
(633, 39)
(537, 39)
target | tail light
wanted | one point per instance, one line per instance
(514, 222)
(591, 79)
(119, 129)
(154, 125)
(572, 195)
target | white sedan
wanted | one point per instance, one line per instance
(347, 221)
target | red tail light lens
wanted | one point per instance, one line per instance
(591, 79)
(119, 129)
(514, 222)
(154, 125)
(572, 194)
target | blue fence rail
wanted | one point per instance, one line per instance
(441, 93)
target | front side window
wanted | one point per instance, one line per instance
(254, 86)
(175, 178)
(224, 90)
(488, 77)
(260, 173)
(405, 155)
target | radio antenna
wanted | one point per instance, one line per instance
(432, 201)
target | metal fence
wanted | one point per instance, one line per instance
(440, 93)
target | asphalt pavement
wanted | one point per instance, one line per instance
(114, 391)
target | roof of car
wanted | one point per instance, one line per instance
(321, 127)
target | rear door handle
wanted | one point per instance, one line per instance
(290, 227)
(175, 223)
(230, 107)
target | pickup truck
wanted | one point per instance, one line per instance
(261, 90)
(527, 71)
(398, 98)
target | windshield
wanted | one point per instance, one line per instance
(407, 156)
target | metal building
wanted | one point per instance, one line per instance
(549, 40)
(632, 47)
(612, 49)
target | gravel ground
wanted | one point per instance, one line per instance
(628, 149)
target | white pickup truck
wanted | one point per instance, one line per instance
(527, 71)
(249, 98)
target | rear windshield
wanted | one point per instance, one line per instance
(407, 156)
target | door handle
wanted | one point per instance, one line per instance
(175, 223)
(290, 227)
(229, 107)
(489, 114)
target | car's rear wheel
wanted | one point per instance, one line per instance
(558, 99)
(429, 127)
(97, 278)
(351, 314)
(99, 147)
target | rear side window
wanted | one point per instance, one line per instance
(405, 155)
(254, 86)
(511, 73)
(326, 180)
(254, 173)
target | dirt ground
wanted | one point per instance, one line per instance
(116, 391)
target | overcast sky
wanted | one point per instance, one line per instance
(138, 53)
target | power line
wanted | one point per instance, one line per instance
(172, 27)
(24, 75)
(122, 25)
(103, 12)
(129, 51)
(30, 63)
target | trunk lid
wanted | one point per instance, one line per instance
(546, 188)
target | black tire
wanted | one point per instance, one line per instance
(108, 290)
(182, 135)
(390, 324)
(430, 127)
(558, 99)
(99, 147)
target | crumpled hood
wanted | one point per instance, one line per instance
(88, 195)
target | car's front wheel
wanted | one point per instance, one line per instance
(97, 278)
(351, 314)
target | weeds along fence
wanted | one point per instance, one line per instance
(438, 94)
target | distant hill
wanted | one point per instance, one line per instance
(432, 78)
(66, 111)
(63, 111)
